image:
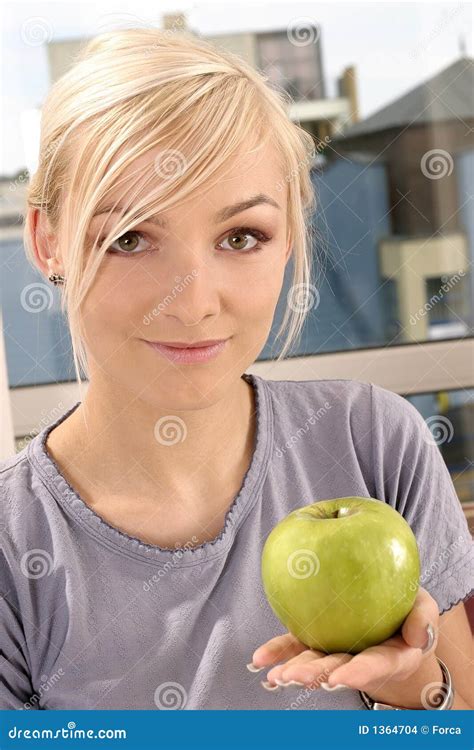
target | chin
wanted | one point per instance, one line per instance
(173, 390)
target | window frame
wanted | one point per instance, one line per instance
(406, 369)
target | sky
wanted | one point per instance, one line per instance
(394, 46)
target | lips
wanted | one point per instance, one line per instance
(189, 353)
(187, 345)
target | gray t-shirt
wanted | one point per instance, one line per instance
(92, 618)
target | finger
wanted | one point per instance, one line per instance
(424, 612)
(313, 672)
(308, 655)
(392, 660)
(277, 649)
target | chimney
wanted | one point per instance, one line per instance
(174, 22)
(347, 87)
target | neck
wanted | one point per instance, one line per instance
(132, 447)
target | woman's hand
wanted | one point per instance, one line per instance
(374, 670)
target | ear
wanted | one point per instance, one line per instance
(44, 243)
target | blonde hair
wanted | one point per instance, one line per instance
(130, 91)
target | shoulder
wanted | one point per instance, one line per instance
(309, 394)
(15, 476)
(22, 500)
(401, 429)
(392, 409)
(357, 392)
(351, 395)
(15, 470)
(296, 404)
(362, 411)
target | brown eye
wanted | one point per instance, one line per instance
(128, 243)
(238, 240)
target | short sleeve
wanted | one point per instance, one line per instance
(16, 691)
(410, 474)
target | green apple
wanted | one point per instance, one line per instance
(341, 574)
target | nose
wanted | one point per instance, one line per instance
(194, 297)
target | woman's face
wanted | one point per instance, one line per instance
(201, 276)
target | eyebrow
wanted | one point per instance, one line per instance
(222, 215)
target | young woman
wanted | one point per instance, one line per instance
(171, 192)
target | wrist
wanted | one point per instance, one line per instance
(423, 689)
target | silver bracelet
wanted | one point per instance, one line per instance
(446, 688)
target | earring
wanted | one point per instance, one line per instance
(56, 278)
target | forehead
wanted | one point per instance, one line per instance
(250, 171)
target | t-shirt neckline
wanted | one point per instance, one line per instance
(112, 537)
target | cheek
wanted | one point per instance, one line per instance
(262, 287)
(112, 307)
(257, 299)
(259, 302)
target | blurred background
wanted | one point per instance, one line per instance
(386, 91)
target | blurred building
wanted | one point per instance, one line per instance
(290, 58)
(425, 139)
(296, 66)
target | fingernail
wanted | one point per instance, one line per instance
(281, 683)
(268, 686)
(430, 639)
(252, 668)
(339, 686)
